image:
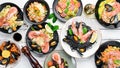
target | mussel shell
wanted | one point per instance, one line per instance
(114, 19)
(108, 7)
(5, 61)
(52, 42)
(15, 55)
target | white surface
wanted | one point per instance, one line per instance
(107, 34)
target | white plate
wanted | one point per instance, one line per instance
(90, 51)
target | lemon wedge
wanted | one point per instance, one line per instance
(5, 53)
(48, 29)
(94, 37)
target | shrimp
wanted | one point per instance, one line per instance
(61, 65)
(74, 29)
(80, 30)
(62, 4)
(56, 58)
(85, 37)
(12, 11)
(2, 21)
(33, 34)
(45, 47)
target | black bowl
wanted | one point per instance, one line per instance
(102, 48)
(20, 15)
(107, 25)
(26, 12)
(58, 15)
(28, 41)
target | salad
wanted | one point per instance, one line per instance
(68, 8)
(42, 38)
(109, 11)
(9, 18)
(57, 61)
(80, 36)
(37, 12)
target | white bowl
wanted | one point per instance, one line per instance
(90, 51)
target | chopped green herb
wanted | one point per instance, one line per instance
(70, 31)
(56, 27)
(66, 10)
(32, 29)
(84, 30)
(51, 16)
(117, 61)
(54, 19)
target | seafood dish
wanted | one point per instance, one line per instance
(108, 56)
(9, 53)
(108, 11)
(80, 36)
(36, 12)
(57, 61)
(42, 38)
(10, 18)
(66, 9)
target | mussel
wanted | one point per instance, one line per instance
(53, 42)
(82, 50)
(108, 7)
(114, 19)
(4, 61)
(7, 45)
(15, 55)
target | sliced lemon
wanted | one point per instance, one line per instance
(94, 37)
(5, 53)
(100, 11)
(48, 29)
(102, 4)
(110, 1)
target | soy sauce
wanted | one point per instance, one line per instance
(17, 36)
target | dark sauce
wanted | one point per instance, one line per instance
(17, 36)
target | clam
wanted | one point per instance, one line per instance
(108, 7)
